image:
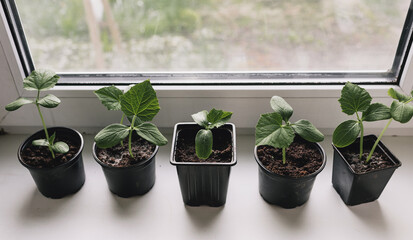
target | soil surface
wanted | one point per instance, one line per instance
(221, 148)
(302, 159)
(379, 159)
(40, 157)
(119, 156)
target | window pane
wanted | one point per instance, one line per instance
(212, 35)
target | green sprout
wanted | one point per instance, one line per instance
(355, 99)
(275, 129)
(208, 121)
(42, 80)
(139, 104)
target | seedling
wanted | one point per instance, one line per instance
(42, 80)
(208, 120)
(275, 129)
(139, 104)
(355, 99)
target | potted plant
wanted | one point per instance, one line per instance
(203, 153)
(363, 165)
(53, 156)
(127, 153)
(288, 156)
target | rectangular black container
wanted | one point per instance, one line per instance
(355, 188)
(203, 183)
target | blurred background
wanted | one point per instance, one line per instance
(212, 35)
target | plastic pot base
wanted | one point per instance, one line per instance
(204, 185)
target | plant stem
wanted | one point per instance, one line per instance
(121, 122)
(44, 125)
(361, 139)
(361, 135)
(130, 135)
(284, 155)
(378, 140)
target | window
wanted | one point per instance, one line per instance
(230, 40)
(309, 87)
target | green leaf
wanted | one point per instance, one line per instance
(217, 118)
(308, 131)
(354, 99)
(376, 112)
(52, 138)
(203, 143)
(201, 118)
(281, 107)
(60, 147)
(398, 96)
(17, 104)
(401, 112)
(269, 131)
(49, 101)
(346, 133)
(110, 97)
(40, 142)
(40, 80)
(151, 133)
(111, 135)
(141, 101)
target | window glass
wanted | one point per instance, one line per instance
(213, 35)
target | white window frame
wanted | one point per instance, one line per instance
(81, 109)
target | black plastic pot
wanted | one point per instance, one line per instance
(286, 191)
(61, 180)
(203, 183)
(129, 181)
(355, 188)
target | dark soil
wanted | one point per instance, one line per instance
(119, 156)
(221, 149)
(379, 159)
(40, 157)
(302, 159)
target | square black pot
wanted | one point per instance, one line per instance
(355, 188)
(203, 183)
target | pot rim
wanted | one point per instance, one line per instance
(137, 165)
(175, 139)
(381, 145)
(66, 164)
(311, 175)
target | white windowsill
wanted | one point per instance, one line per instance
(95, 213)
